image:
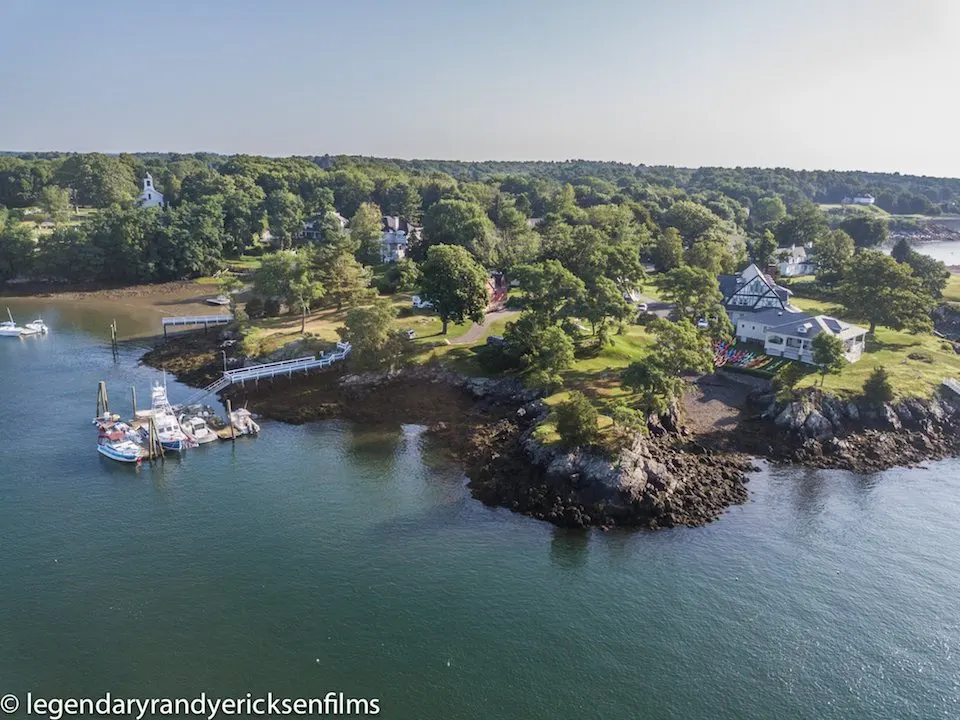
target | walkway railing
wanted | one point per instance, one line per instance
(185, 320)
(272, 369)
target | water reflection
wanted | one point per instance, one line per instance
(569, 549)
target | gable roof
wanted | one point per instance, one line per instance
(730, 285)
(816, 325)
(772, 317)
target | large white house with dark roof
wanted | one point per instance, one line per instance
(761, 312)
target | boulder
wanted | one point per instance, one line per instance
(817, 426)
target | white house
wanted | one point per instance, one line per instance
(752, 291)
(313, 227)
(864, 199)
(395, 238)
(150, 197)
(794, 337)
(795, 261)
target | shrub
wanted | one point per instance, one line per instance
(271, 307)
(787, 378)
(254, 307)
(877, 388)
(576, 420)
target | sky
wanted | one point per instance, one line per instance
(806, 84)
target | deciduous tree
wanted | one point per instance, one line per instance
(882, 291)
(455, 284)
(828, 354)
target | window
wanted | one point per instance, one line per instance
(775, 340)
(793, 342)
(149, 196)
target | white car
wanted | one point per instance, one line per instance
(418, 302)
(702, 324)
(642, 307)
(411, 334)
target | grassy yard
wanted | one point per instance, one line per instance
(932, 359)
(269, 334)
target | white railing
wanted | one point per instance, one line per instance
(269, 370)
(197, 320)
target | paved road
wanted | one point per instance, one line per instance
(478, 330)
(658, 308)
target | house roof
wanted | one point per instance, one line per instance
(731, 284)
(816, 325)
(773, 317)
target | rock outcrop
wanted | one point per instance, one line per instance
(822, 431)
(652, 482)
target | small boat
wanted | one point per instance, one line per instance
(116, 445)
(218, 300)
(196, 428)
(243, 422)
(37, 327)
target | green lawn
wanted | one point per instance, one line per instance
(892, 349)
(952, 291)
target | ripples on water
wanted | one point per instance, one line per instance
(334, 557)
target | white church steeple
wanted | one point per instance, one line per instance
(150, 197)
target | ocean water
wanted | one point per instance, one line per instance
(331, 557)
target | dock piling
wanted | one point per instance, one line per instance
(233, 431)
(133, 392)
(103, 404)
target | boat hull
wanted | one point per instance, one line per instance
(124, 456)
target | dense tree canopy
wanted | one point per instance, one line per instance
(882, 291)
(455, 284)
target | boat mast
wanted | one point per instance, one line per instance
(10, 315)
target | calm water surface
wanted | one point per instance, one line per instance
(334, 557)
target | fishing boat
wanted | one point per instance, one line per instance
(10, 328)
(243, 422)
(169, 432)
(117, 445)
(196, 428)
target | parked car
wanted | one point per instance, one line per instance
(702, 324)
(410, 334)
(418, 302)
(495, 340)
(642, 307)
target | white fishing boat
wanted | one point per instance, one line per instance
(169, 432)
(117, 445)
(196, 427)
(243, 422)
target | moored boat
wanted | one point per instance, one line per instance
(116, 445)
(37, 327)
(243, 422)
(218, 300)
(169, 432)
(196, 428)
(8, 328)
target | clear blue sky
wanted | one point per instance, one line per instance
(848, 84)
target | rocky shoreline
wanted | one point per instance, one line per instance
(817, 430)
(665, 479)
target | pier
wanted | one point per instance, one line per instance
(191, 320)
(271, 370)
